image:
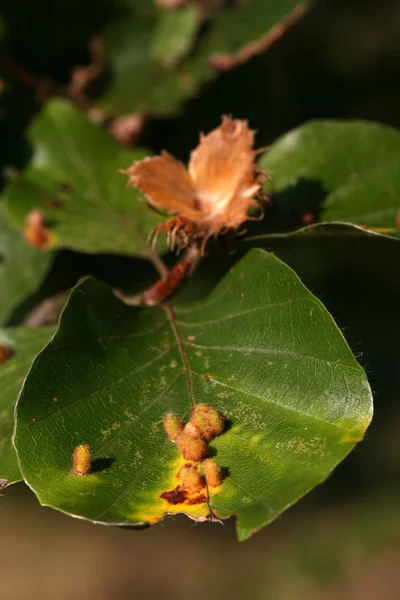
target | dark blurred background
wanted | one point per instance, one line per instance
(341, 61)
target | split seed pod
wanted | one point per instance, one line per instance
(212, 472)
(82, 460)
(214, 195)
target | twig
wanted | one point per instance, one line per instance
(226, 62)
(169, 281)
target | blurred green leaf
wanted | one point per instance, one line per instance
(355, 165)
(141, 82)
(22, 268)
(174, 34)
(260, 348)
(74, 180)
(236, 28)
(24, 344)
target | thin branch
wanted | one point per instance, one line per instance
(226, 62)
(168, 283)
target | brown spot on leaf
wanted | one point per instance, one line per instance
(200, 499)
(5, 353)
(307, 218)
(53, 203)
(181, 496)
(176, 496)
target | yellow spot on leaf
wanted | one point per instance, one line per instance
(352, 437)
(174, 498)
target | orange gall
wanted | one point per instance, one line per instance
(191, 479)
(82, 460)
(212, 472)
(173, 426)
(191, 429)
(209, 422)
(35, 231)
(192, 447)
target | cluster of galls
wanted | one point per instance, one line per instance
(192, 440)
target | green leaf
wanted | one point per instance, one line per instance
(354, 163)
(22, 268)
(260, 348)
(74, 180)
(174, 34)
(142, 82)
(24, 344)
(240, 30)
(139, 82)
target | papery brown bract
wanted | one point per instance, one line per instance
(214, 195)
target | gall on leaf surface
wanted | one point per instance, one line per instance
(260, 349)
(73, 179)
(333, 171)
(23, 345)
(22, 268)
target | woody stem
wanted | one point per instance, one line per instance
(169, 281)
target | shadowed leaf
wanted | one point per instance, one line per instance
(74, 180)
(140, 51)
(23, 345)
(337, 171)
(22, 268)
